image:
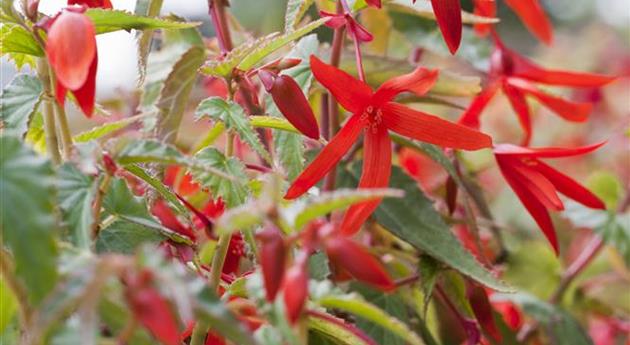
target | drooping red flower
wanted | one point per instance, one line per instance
(537, 184)
(516, 75)
(355, 30)
(375, 113)
(71, 51)
(92, 3)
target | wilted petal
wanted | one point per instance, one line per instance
(350, 92)
(327, 158)
(569, 187)
(420, 81)
(377, 162)
(432, 129)
(449, 17)
(534, 17)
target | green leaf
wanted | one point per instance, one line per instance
(339, 199)
(149, 8)
(8, 305)
(175, 93)
(233, 192)
(105, 129)
(372, 313)
(606, 186)
(235, 119)
(18, 103)
(149, 151)
(76, 192)
(295, 12)
(164, 191)
(429, 270)
(272, 122)
(27, 221)
(392, 304)
(19, 45)
(116, 315)
(414, 220)
(122, 204)
(560, 325)
(114, 20)
(318, 267)
(125, 237)
(337, 332)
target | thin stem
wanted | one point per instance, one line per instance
(16, 287)
(60, 112)
(359, 59)
(96, 208)
(219, 21)
(50, 130)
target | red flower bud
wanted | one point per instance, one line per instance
(483, 310)
(357, 261)
(109, 164)
(451, 194)
(272, 260)
(291, 102)
(295, 290)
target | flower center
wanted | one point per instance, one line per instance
(372, 117)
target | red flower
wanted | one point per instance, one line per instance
(273, 252)
(355, 30)
(295, 289)
(375, 112)
(71, 51)
(515, 75)
(537, 184)
(533, 16)
(92, 3)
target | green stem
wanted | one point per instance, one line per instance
(64, 129)
(50, 131)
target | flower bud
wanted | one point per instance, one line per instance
(272, 260)
(295, 290)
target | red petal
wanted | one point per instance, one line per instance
(483, 310)
(357, 261)
(91, 3)
(570, 111)
(335, 21)
(71, 47)
(351, 93)
(536, 209)
(272, 260)
(85, 95)
(471, 116)
(375, 3)
(327, 158)
(534, 17)
(569, 187)
(432, 129)
(377, 162)
(519, 104)
(166, 216)
(291, 101)
(420, 81)
(484, 8)
(60, 93)
(449, 17)
(295, 291)
(201, 217)
(544, 152)
(536, 183)
(357, 31)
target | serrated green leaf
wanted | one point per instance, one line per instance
(414, 220)
(392, 304)
(105, 129)
(295, 12)
(339, 199)
(175, 93)
(125, 237)
(15, 39)
(114, 20)
(235, 119)
(76, 192)
(18, 103)
(372, 313)
(149, 8)
(239, 218)
(333, 332)
(233, 192)
(149, 151)
(272, 122)
(164, 191)
(27, 221)
(222, 66)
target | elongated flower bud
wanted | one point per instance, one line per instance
(295, 290)
(272, 260)
(291, 102)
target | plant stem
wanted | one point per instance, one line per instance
(96, 208)
(16, 287)
(50, 130)
(60, 115)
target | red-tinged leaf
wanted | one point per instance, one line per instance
(545, 152)
(451, 194)
(534, 17)
(420, 81)
(92, 3)
(536, 209)
(520, 106)
(351, 93)
(569, 187)
(327, 158)
(483, 310)
(290, 100)
(377, 162)
(272, 260)
(357, 261)
(295, 291)
(71, 47)
(432, 129)
(449, 17)
(484, 8)
(85, 95)
(471, 116)
(536, 183)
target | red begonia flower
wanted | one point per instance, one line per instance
(355, 30)
(71, 51)
(537, 184)
(516, 75)
(377, 114)
(92, 3)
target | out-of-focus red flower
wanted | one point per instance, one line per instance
(483, 310)
(295, 289)
(376, 114)
(422, 168)
(537, 184)
(272, 260)
(516, 75)
(165, 215)
(92, 3)
(181, 182)
(71, 51)
(484, 8)
(355, 30)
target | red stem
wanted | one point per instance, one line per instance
(217, 13)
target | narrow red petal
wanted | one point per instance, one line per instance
(449, 17)
(295, 291)
(471, 117)
(166, 216)
(327, 158)
(432, 129)
(92, 3)
(358, 261)
(536, 183)
(272, 261)
(358, 32)
(569, 187)
(71, 47)
(484, 8)
(545, 152)
(534, 17)
(482, 309)
(60, 93)
(420, 81)
(377, 162)
(520, 106)
(292, 103)
(350, 92)
(536, 209)
(85, 95)
(375, 3)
